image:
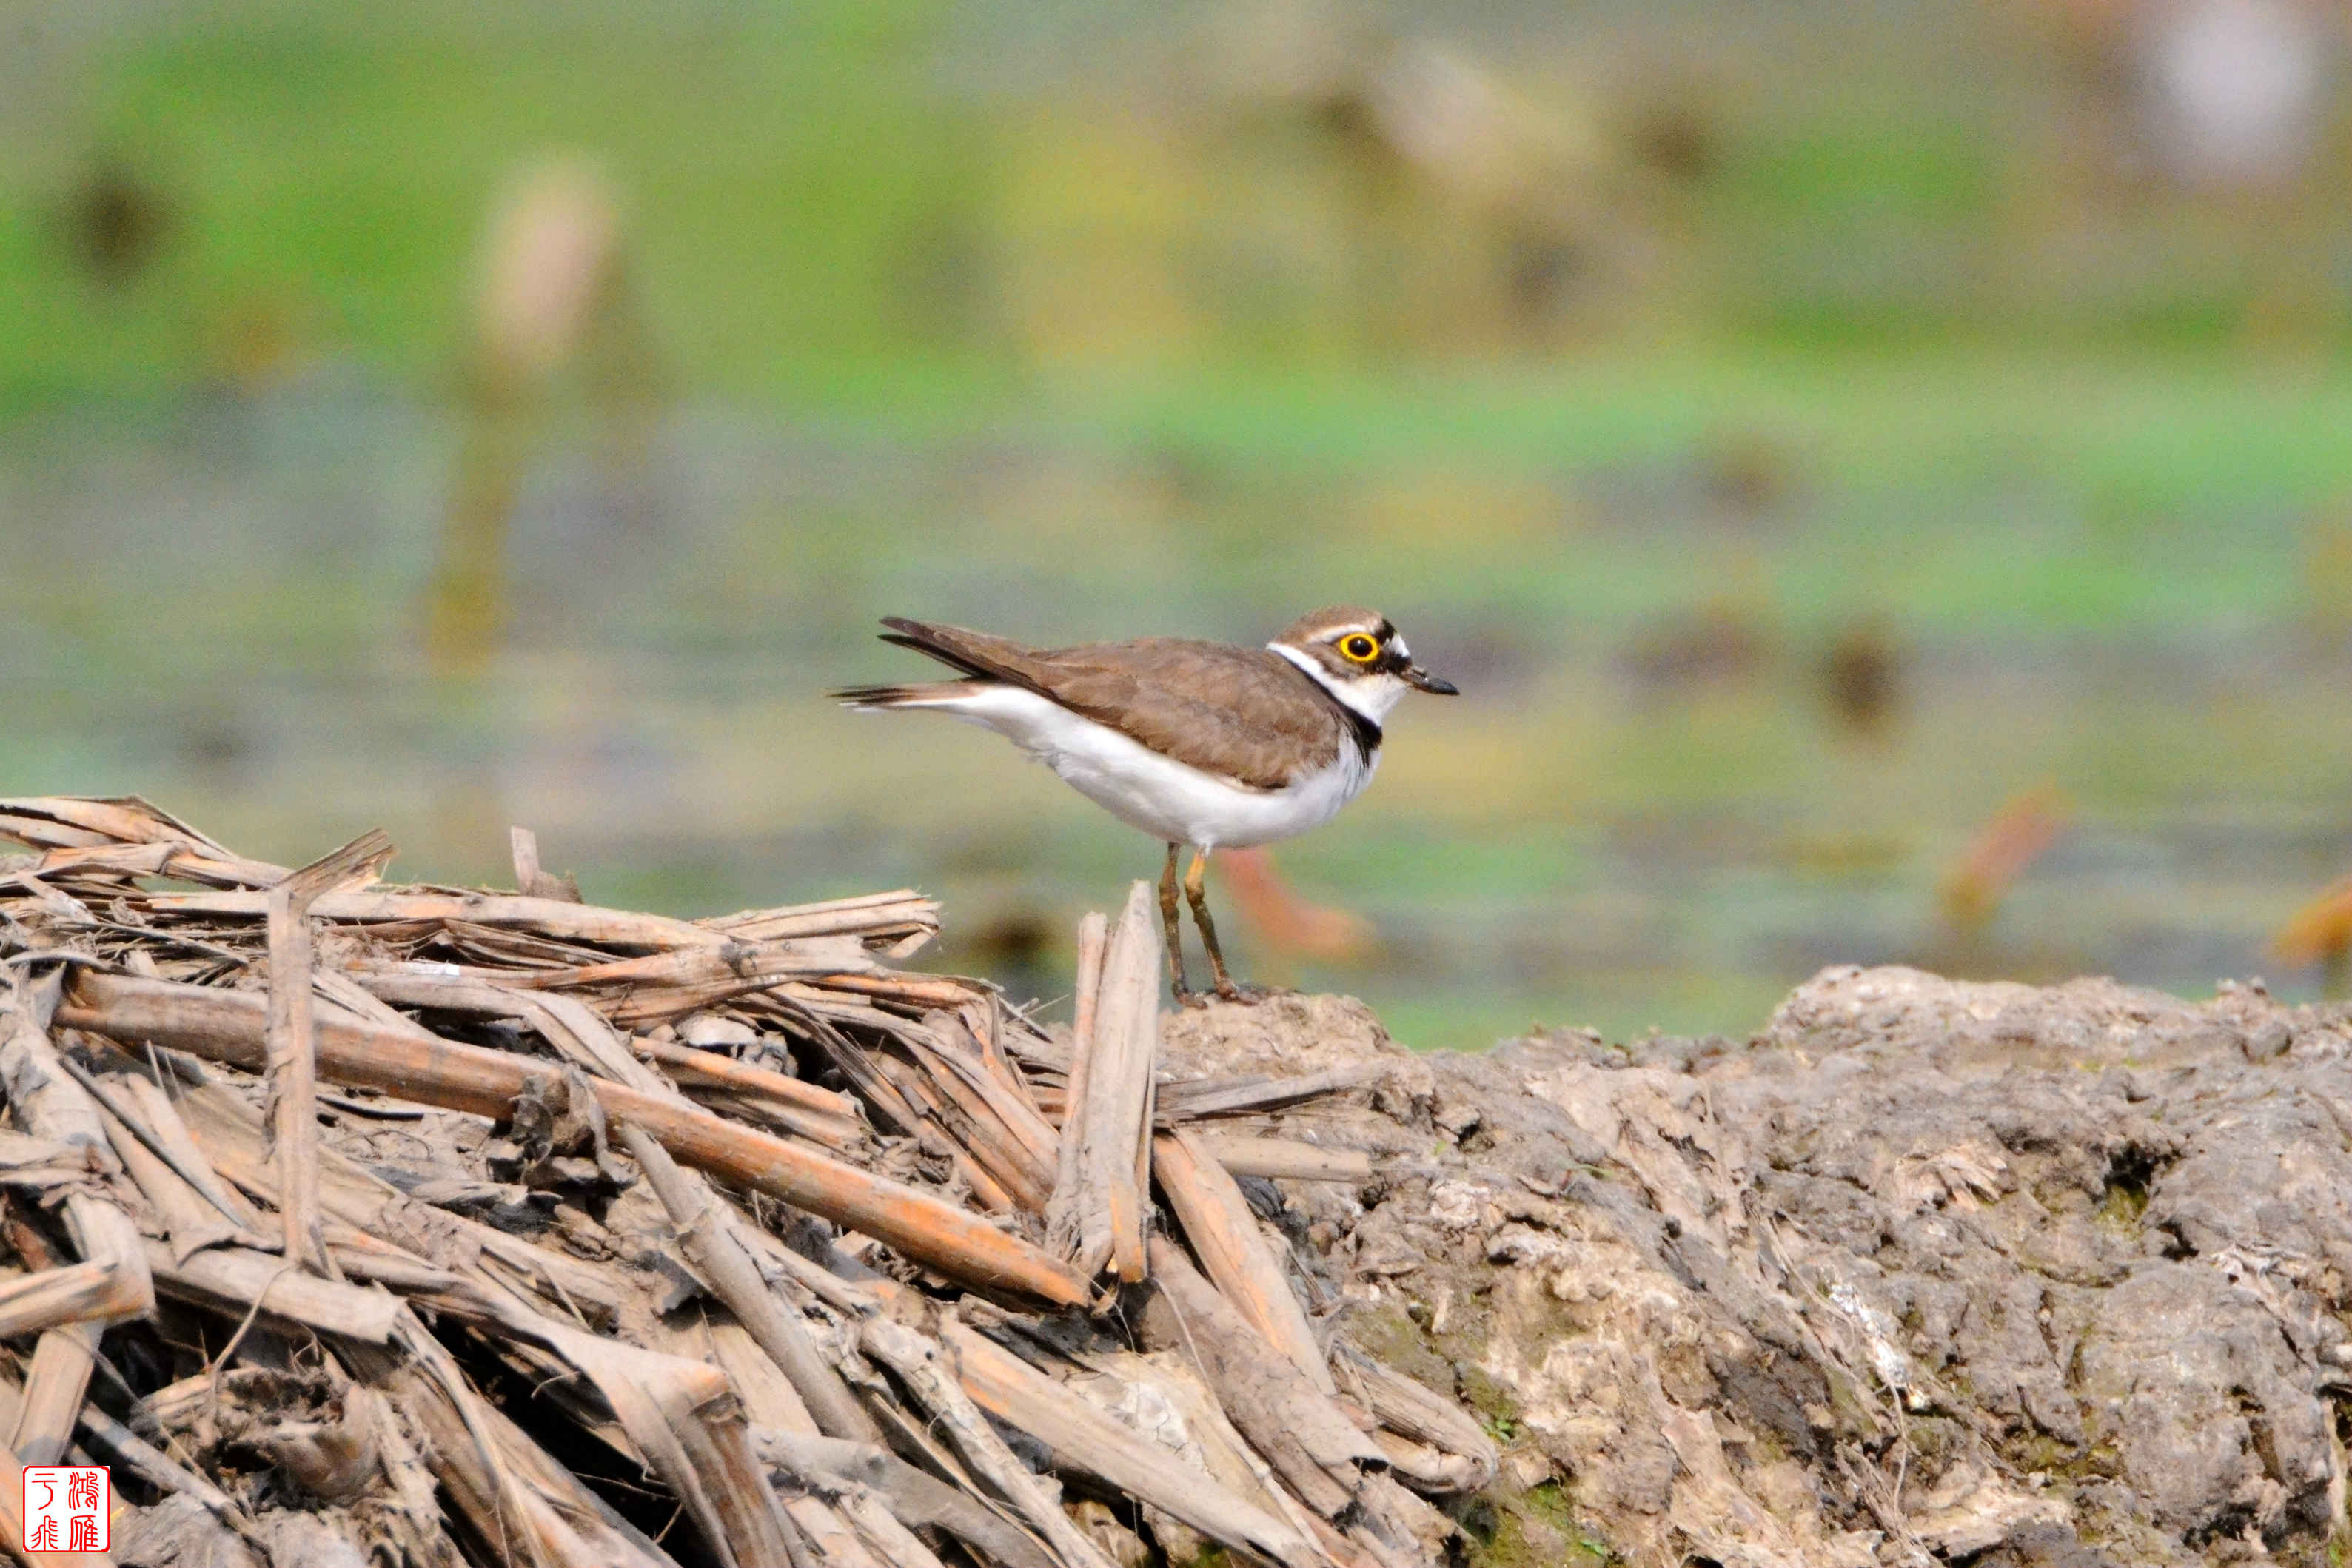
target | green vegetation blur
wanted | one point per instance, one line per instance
(1882, 474)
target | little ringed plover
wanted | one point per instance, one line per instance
(1194, 742)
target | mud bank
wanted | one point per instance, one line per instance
(1926, 1271)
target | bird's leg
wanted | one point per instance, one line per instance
(1196, 890)
(1173, 926)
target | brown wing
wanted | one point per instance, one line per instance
(1254, 717)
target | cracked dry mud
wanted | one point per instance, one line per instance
(1928, 1271)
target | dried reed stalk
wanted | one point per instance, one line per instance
(232, 1281)
(1286, 1157)
(1085, 1439)
(62, 822)
(1225, 1237)
(192, 1219)
(707, 1237)
(50, 1105)
(917, 1361)
(225, 1026)
(511, 1492)
(1096, 1216)
(1455, 1454)
(1253, 1095)
(1318, 1453)
(292, 1076)
(915, 1497)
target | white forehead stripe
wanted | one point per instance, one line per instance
(1299, 658)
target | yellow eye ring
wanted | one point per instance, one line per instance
(1362, 649)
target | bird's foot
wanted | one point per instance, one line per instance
(1226, 991)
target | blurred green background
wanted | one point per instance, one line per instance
(1882, 474)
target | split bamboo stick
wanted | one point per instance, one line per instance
(1100, 1219)
(617, 929)
(795, 958)
(231, 1279)
(1318, 1453)
(55, 1383)
(691, 1066)
(1233, 1250)
(60, 821)
(805, 1108)
(369, 1205)
(707, 1235)
(1202, 1098)
(529, 878)
(1085, 1439)
(161, 1117)
(49, 1104)
(190, 1220)
(916, 1497)
(292, 1073)
(510, 1492)
(1421, 1416)
(917, 1361)
(865, 914)
(1064, 1208)
(1286, 1157)
(51, 1297)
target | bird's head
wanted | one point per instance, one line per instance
(1359, 657)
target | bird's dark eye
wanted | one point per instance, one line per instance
(1359, 647)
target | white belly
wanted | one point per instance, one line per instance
(1172, 802)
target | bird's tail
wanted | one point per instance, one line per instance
(882, 699)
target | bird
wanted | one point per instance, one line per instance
(1198, 743)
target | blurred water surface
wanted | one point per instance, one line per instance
(1882, 476)
(1654, 805)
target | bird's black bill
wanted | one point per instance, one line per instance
(1417, 676)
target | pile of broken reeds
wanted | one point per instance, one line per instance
(416, 1225)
